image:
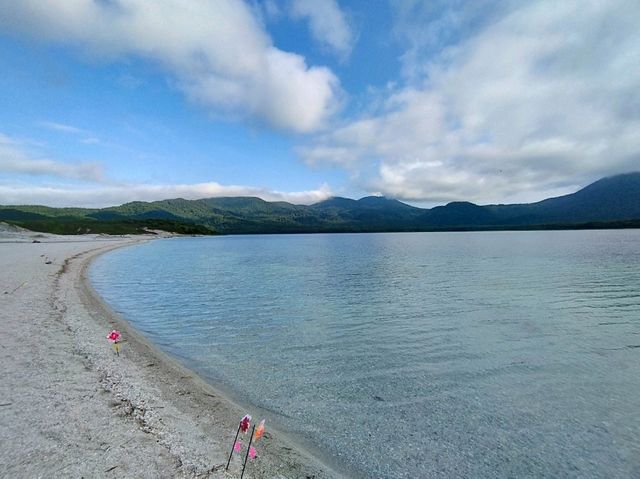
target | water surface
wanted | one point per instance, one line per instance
(496, 354)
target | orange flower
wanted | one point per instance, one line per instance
(259, 432)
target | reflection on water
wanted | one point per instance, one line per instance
(506, 354)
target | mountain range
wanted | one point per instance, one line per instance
(611, 202)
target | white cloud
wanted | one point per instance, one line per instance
(542, 100)
(217, 51)
(14, 158)
(85, 184)
(272, 10)
(61, 127)
(62, 195)
(327, 23)
(429, 27)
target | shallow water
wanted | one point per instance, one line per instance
(499, 354)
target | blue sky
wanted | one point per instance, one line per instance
(108, 101)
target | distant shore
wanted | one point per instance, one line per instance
(70, 407)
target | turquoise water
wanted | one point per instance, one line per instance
(500, 354)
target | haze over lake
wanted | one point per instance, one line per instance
(495, 354)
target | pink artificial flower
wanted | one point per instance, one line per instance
(252, 452)
(114, 336)
(237, 446)
(245, 423)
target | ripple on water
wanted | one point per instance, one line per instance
(411, 355)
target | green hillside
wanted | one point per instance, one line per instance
(610, 202)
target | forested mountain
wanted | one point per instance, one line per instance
(609, 202)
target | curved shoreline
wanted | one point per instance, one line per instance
(173, 423)
(203, 398)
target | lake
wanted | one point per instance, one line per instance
(475, 354)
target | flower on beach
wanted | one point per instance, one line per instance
(237, 446)
(259, 432)
(252, 452)
(114, 336)
(245, 423)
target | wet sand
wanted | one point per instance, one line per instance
(69, 407)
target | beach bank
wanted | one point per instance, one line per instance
(69, 407)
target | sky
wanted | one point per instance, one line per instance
(490, 101)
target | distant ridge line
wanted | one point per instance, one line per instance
(612, 202)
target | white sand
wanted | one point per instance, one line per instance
(69, 407)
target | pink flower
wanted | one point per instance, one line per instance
(252, 452)
(114, 336)
(245, 423)
(237, 446)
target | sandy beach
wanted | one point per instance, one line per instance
(69, 407)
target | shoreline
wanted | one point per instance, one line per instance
(179, 425)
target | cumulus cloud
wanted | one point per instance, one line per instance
(14, 158)
(426, 27)
(111, 195)
(217, 52)
(327, 23)
(541, 100)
